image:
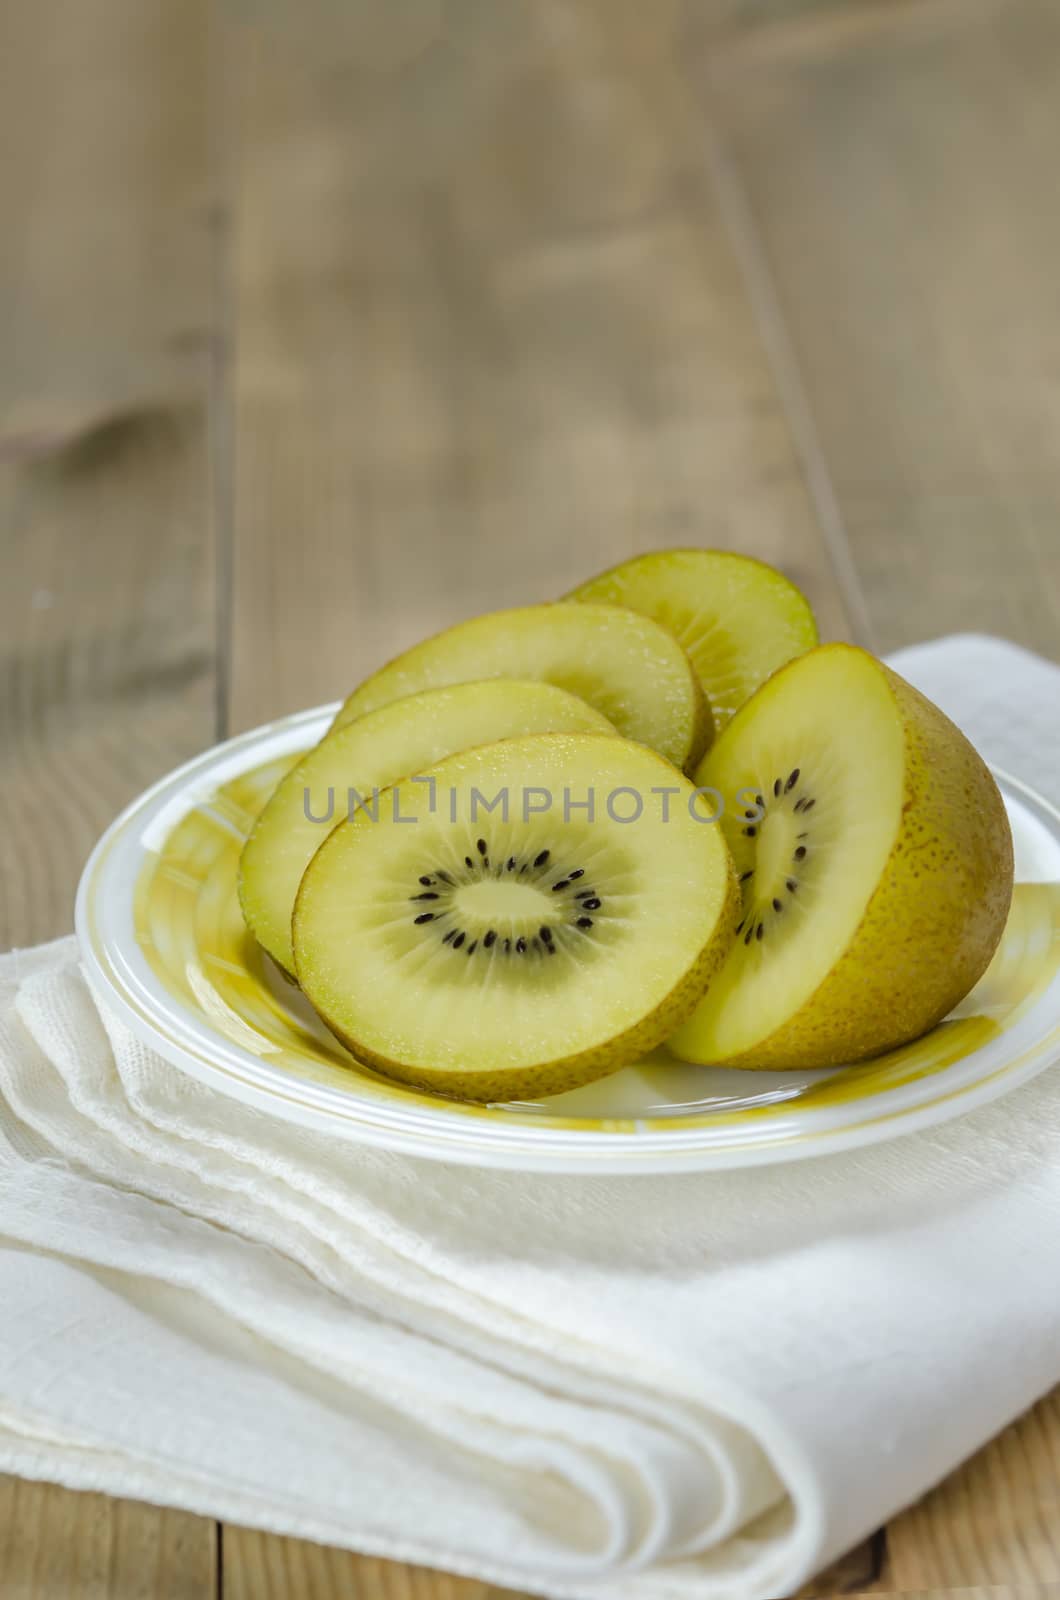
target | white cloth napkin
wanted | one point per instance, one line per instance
(651, 1387)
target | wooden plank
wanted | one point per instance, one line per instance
(106, 608)
(475, 364)
(492, 334)
(107, 626)
(260, 1566)
(890, 168)
(57, 1545)
(996, 1521)
(104, 174)
(897, 163)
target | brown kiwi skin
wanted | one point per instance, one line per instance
(954, 826)
(571, 1072)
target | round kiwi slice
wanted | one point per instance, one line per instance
(523, 949)
(738, 618)
(875, 864)
(627, 666)
(348, 767)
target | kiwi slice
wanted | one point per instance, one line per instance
(351, 765)
(627, 666)
(875, 864)
(738, 618)
(525, 949)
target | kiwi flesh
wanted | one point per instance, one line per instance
(738, 618)
(524, 950)
(348, 767)
(625, 665)
(875, 865)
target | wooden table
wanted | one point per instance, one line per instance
(323, 327)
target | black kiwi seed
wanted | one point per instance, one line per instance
(480, 846)
(510, 863)
(458, 941)
(591, 905)
(739, 926)
(809, 805)
(507, 945)
(776, 787)
(759, 931)
(750, 815)
(450, 935)
(778, 905)
(468, 861)
(539, 860)
(584, 922)
(800, 852)
(520, 947)
(551, 949)
(491, 939)
(564, 883)
(793, 779)
(752, 833)
(427, 882)
(579, 872)
(472, 947)
(585, 894)
(748, 936)
(759, 802)
(424, 916)
(546, 934)
(428, 894)
(748, 874)
(791, 885)
(800, 803)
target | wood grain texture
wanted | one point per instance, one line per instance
(107, 639)
(492, 335)
(517, 290)
(887, 165)
(260, 1566)
(105, 184)
(995, 1521)
(57, 1545)
(895, 161)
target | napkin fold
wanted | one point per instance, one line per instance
(698, 1385)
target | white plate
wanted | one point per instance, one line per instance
(165, 947)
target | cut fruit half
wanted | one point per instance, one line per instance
(738, 618)
(353, 764)
(523, 949)
(625, 665)
(875, 863)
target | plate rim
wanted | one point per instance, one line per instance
(462, 1135)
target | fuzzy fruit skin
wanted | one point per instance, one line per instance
(933, 921)
(572, 1072)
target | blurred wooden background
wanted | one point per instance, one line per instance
(324, 325)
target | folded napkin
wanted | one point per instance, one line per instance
(646, 1387)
